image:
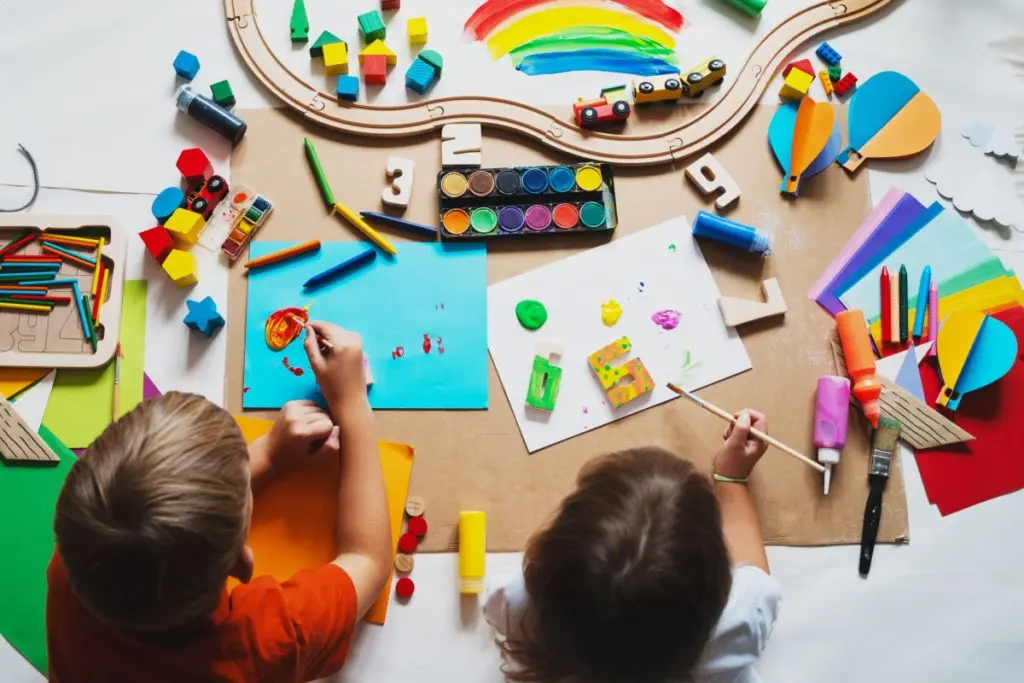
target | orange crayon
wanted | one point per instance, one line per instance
(283, 255)
(860, 362)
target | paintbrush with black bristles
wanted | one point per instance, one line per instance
(882, 447)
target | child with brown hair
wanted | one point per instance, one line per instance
(649, 572)
(152, 521)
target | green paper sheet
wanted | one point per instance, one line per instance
(81, 402)
(28, 497)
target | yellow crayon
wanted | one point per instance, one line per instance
(472, 551)
(357, 221)
(99, 266)
(103, 293)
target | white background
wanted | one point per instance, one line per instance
(86, 87)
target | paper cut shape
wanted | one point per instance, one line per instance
(400, 173)
(889, 118)
(909, 376)
(974, 351)
(461, 144)
(998, 142)
(973, 190)
(614, 378)
(815, 122)
(737, 311)
(708, 174)
(546, 377)
(780, 139)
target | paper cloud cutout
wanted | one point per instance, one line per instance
(972, 191)
(998, 142)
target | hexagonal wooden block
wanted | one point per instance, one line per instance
(180, 266)
(194, 165)
(184, 226)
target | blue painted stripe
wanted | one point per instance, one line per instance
(614, 61)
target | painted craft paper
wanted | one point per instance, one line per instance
(422, 317)
(648, 274)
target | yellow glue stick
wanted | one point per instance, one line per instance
(472, 551)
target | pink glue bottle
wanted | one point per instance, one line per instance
(831, 413)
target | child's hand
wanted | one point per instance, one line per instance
(741, 452)
(338, 364)
(301, 428)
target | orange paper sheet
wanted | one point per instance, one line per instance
(15, 380)
(294, 517)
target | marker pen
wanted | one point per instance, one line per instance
(210, 114)
(831, 414)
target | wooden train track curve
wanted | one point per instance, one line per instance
(740, 95)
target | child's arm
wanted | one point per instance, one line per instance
(364, 528)
(736, 460)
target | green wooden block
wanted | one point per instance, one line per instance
(835, 73)
(299, 24)
(222, 95)
(371, 27)
(326, 38)
(545, 381)
(432, 58)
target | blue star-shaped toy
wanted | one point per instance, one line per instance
(203, 316)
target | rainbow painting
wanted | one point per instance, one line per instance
(622, 36)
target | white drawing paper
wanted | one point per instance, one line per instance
(655, 275)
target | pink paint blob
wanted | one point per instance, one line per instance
(398, 352)
(667, 319)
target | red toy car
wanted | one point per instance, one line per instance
(205, 196)
(596, 112)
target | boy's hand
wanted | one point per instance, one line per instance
(741, 452)
(301, 428)
(338, 364)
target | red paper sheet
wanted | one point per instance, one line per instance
(958, 477)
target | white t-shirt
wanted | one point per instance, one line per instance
(736, 643)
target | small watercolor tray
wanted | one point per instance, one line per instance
(526, 200)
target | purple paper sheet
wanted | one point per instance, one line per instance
(149, 389)
(869, 225)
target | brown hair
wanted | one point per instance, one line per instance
(152, 518)
(628, 581)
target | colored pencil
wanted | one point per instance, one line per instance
(883, 285)
(60, 249)
(11, 300)
(27, 296)
(334, 271)
(92, 242)
(31, 308)
(90, 333)
(73, 283)
(11, 259)
(115, 407)
(23, 288)
(83, 261)
(98, 306)
(904, 305)
(283, 254)
(894, 308)
(922, 301)
(399, 222)
(19, 242)
(318, 173)
(933, 314)
(28, 275)
(29, 265)
(757, 433)
(97, 283)
(68, 245)
(4, 291)
(96, 274)
(362, 226)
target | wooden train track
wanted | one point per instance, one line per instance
(738, 99)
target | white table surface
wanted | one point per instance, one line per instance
(947, 607)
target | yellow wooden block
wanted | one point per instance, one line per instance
(378, 47)
(417, 30)
(185, 227)
(796, 85)
(826, 82)
(180, 266)
(336, 58)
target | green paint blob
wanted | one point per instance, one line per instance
(593, 38)
(531, 314)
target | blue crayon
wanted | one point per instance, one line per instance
(334, 271)
(732, 233)
(922, 301)
(399, 222)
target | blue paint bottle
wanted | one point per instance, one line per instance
(730, 232)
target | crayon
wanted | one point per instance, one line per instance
(334, 271)
(933, 314)
(399, 222)
(922, 301)
(883, 284)
(357, 222)
(318, 173)
(284, 254)
(904, 306)
(894, 308)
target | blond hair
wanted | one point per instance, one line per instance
(153, 517)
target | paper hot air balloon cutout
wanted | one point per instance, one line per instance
(889, 118)
(975, 350)
(782, 139)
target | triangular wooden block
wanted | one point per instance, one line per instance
(378, 47)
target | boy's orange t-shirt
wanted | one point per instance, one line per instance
(262, 631)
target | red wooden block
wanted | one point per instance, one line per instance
(158, 242)
(391, 4)
(375, 69)
(404, 587)
(408, 543)
(802, 64)
(417, 526)
(845, 84)
(194, 165)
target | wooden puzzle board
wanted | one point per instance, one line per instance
(476, 459)
(56, 340)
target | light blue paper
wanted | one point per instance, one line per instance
(437, 290)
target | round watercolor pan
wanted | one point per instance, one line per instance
(508, 181)
(538, 217)
(511, 219)
(535, 181)
(565, 216)
(483, 220)
(454, 184)
(589, 178)
(481, 183)
(455, 221)
(593, 215)
(562, 179)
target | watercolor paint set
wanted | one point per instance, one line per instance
(526, 200)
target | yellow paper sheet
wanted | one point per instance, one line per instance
(81, 403)
(295, 517)
(15, 380)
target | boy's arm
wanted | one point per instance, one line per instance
(740, 524)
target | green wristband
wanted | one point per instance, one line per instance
(728, 480)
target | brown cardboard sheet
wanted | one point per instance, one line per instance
(475, 460)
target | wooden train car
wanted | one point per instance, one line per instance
(703, 76)
(657, 88)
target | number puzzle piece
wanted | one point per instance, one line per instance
(461, 144)
(740, 311)
(398, 192)
(545, 378)
(614, 378)
(709, 176)
(18, 441)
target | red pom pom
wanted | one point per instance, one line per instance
(417, 526)
(404, 587)
(407, 543)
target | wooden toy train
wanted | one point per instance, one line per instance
(613, 106)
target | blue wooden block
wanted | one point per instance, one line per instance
(203, 316)
(166, 202)
(420, 76)
(828, 55)
(186, 65)
(348, 88)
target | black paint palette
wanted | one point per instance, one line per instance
(526, 200)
